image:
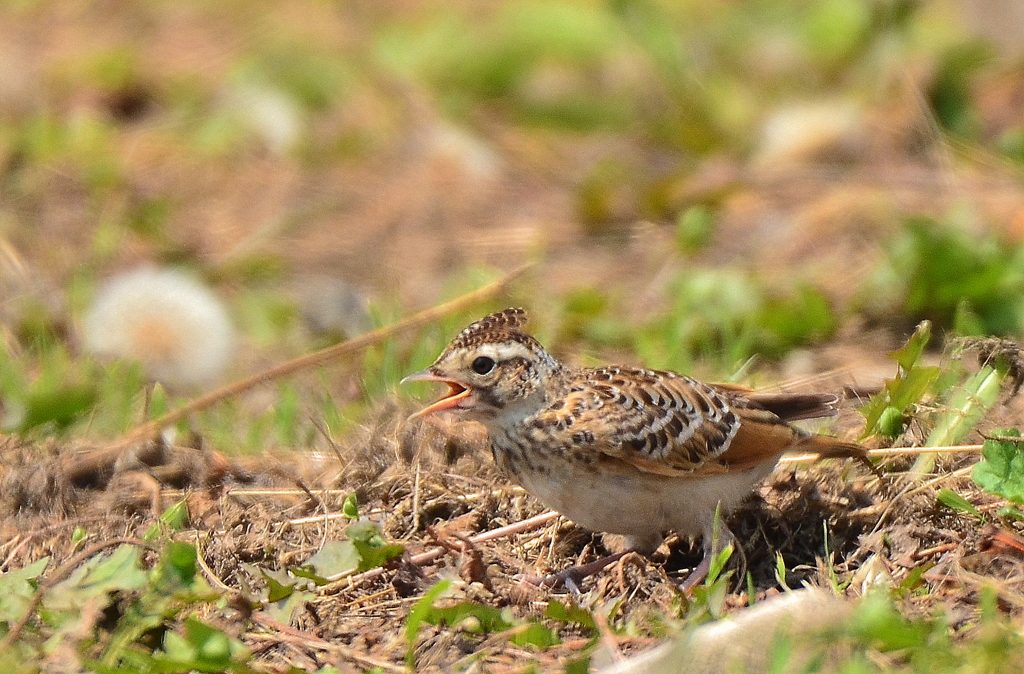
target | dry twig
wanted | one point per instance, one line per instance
(426, 557)
(288, 634)
(106, 456)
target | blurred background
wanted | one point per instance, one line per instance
(760, 189)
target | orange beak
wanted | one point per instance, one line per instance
(456, 392)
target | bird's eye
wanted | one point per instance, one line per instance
(483, 365)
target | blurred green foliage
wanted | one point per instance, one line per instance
(690, 74)
(724, 317)
(951, 94)
(142, 605)
(681, 79)
(942, 272)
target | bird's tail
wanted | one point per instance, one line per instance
(796, 406)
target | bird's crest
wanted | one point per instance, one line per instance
(496, 327)
(501, 326)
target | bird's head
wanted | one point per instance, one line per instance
(493, 370)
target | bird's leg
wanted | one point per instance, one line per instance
(699, 574)
(714, 544)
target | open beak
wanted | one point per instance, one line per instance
(456, 393)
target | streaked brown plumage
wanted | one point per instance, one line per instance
(622, 450)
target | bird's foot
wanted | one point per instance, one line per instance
(572, 578)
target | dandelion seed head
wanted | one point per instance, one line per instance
(165, 319)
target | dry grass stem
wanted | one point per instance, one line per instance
(351, 582)
(346, 348)
(889, 451)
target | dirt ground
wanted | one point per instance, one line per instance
(429, 491)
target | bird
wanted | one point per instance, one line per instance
(623, 450)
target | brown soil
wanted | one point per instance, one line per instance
(275, 512)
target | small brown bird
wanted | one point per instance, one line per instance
(616, 449)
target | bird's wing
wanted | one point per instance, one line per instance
(668, 424)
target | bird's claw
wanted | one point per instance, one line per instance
(571, 579)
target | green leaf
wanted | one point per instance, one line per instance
(966, 321)
(780, 570)
(471, 616)
(891, 422)
(915, 578)
(951, 499)
(537, 635)
(364, 531)
(579, 665)
(1001, 470)
(718, 563)
(334, 559)
(373, 550)
(371, 557)
(694, 228)
(308, 574)
(285, 608)
(908, 354)
(570, 614)
(417, 615)
(910, 388)
(365, 549)
(202, 648)
(176, 517)
(885, 413)
(177, 566)
(17, 588)
(878, 624)
(159, 404)
(1009, 512)
(279, 584)
(478, 618)
(351, 507)
(9, 579)
(873, 411)
(99, 576)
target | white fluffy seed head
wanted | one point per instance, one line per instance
(164, 319)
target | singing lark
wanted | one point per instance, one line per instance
(622, 450)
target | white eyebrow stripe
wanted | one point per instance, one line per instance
(505, 351)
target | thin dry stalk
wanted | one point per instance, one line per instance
(287, 634)
(890, 451)
(534, 522)
(108, 454)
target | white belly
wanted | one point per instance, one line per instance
(638, 505)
